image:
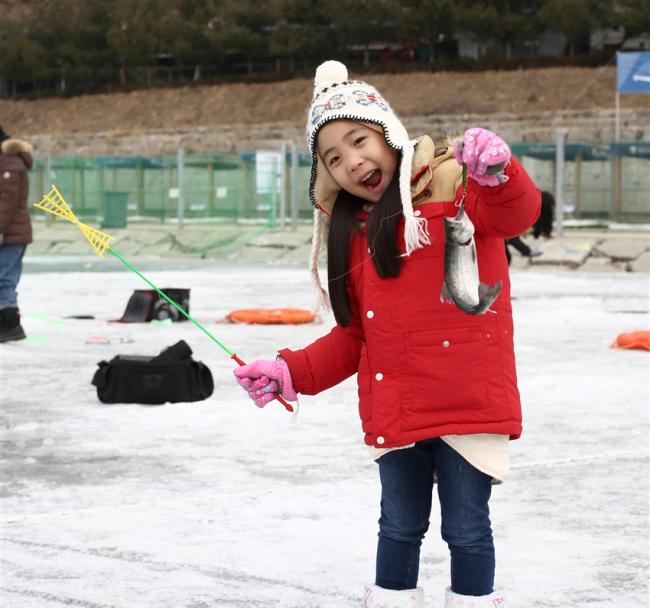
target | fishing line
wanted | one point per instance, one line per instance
(174, 304)
(579, 459)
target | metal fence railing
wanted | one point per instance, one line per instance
(271, 186)
(610, 182)
(183, 187)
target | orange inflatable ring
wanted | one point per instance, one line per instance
(269, 316)
(634, 339)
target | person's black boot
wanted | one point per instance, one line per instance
(10, 327)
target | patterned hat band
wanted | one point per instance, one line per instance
(346, 101)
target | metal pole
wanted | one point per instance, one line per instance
(618, 186)
(294, 186)
(49, 220)
(560, 137)
(102, 182)
(273, 193)
(578, 184)
(180, 164)
(283, 184)
(617, 124)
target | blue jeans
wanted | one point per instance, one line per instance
(406, 489)
(11, 267)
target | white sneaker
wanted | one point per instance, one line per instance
(378, 597)
(455, 600)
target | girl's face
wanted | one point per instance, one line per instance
(357, 157)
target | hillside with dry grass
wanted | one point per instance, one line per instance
(244, 112)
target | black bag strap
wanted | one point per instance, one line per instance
(204, 379)
(176, 352)
(99, 378)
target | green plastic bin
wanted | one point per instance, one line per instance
(114, 209)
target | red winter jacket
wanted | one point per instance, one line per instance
(424, 368)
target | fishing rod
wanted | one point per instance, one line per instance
(55, 204)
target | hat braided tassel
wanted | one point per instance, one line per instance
(321, 298)
(416, 234)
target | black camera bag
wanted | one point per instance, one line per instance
(171, 376)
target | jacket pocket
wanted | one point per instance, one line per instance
(446, 368)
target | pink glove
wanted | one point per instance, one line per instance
(485, 154)
(261, 379)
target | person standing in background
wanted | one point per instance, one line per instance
(15, 229)
(521, 247)
(543, 226)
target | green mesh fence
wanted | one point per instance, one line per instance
(212, 186)
(599, 181)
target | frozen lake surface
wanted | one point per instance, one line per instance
(219, 504)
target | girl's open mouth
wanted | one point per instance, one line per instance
(372, 180)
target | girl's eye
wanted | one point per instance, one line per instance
(359, 140)
(332, 160)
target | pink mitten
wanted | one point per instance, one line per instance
(485, 154)
(262, 378)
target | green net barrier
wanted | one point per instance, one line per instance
(599, 181)
(213, 186)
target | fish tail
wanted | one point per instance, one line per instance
(487, 295)
(485, 291)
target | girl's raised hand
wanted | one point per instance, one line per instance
(262, 378)
(485, 154)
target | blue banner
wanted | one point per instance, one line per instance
(633, 72)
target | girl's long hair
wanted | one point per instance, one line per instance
(381, 230)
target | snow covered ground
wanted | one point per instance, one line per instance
(219, 504)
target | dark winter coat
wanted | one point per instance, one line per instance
(424, 368)
(15, 161)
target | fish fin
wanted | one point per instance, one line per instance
(445, 296)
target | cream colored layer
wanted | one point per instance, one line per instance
(487, 452)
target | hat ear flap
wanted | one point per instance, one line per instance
(319, 238)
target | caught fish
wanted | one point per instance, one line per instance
(461, 285)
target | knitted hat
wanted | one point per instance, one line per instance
(337, 98)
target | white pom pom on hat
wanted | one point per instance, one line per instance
(329, 73)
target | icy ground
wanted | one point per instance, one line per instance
(219, 504)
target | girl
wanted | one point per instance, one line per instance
(437, 387)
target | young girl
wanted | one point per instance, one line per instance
(438, 396)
